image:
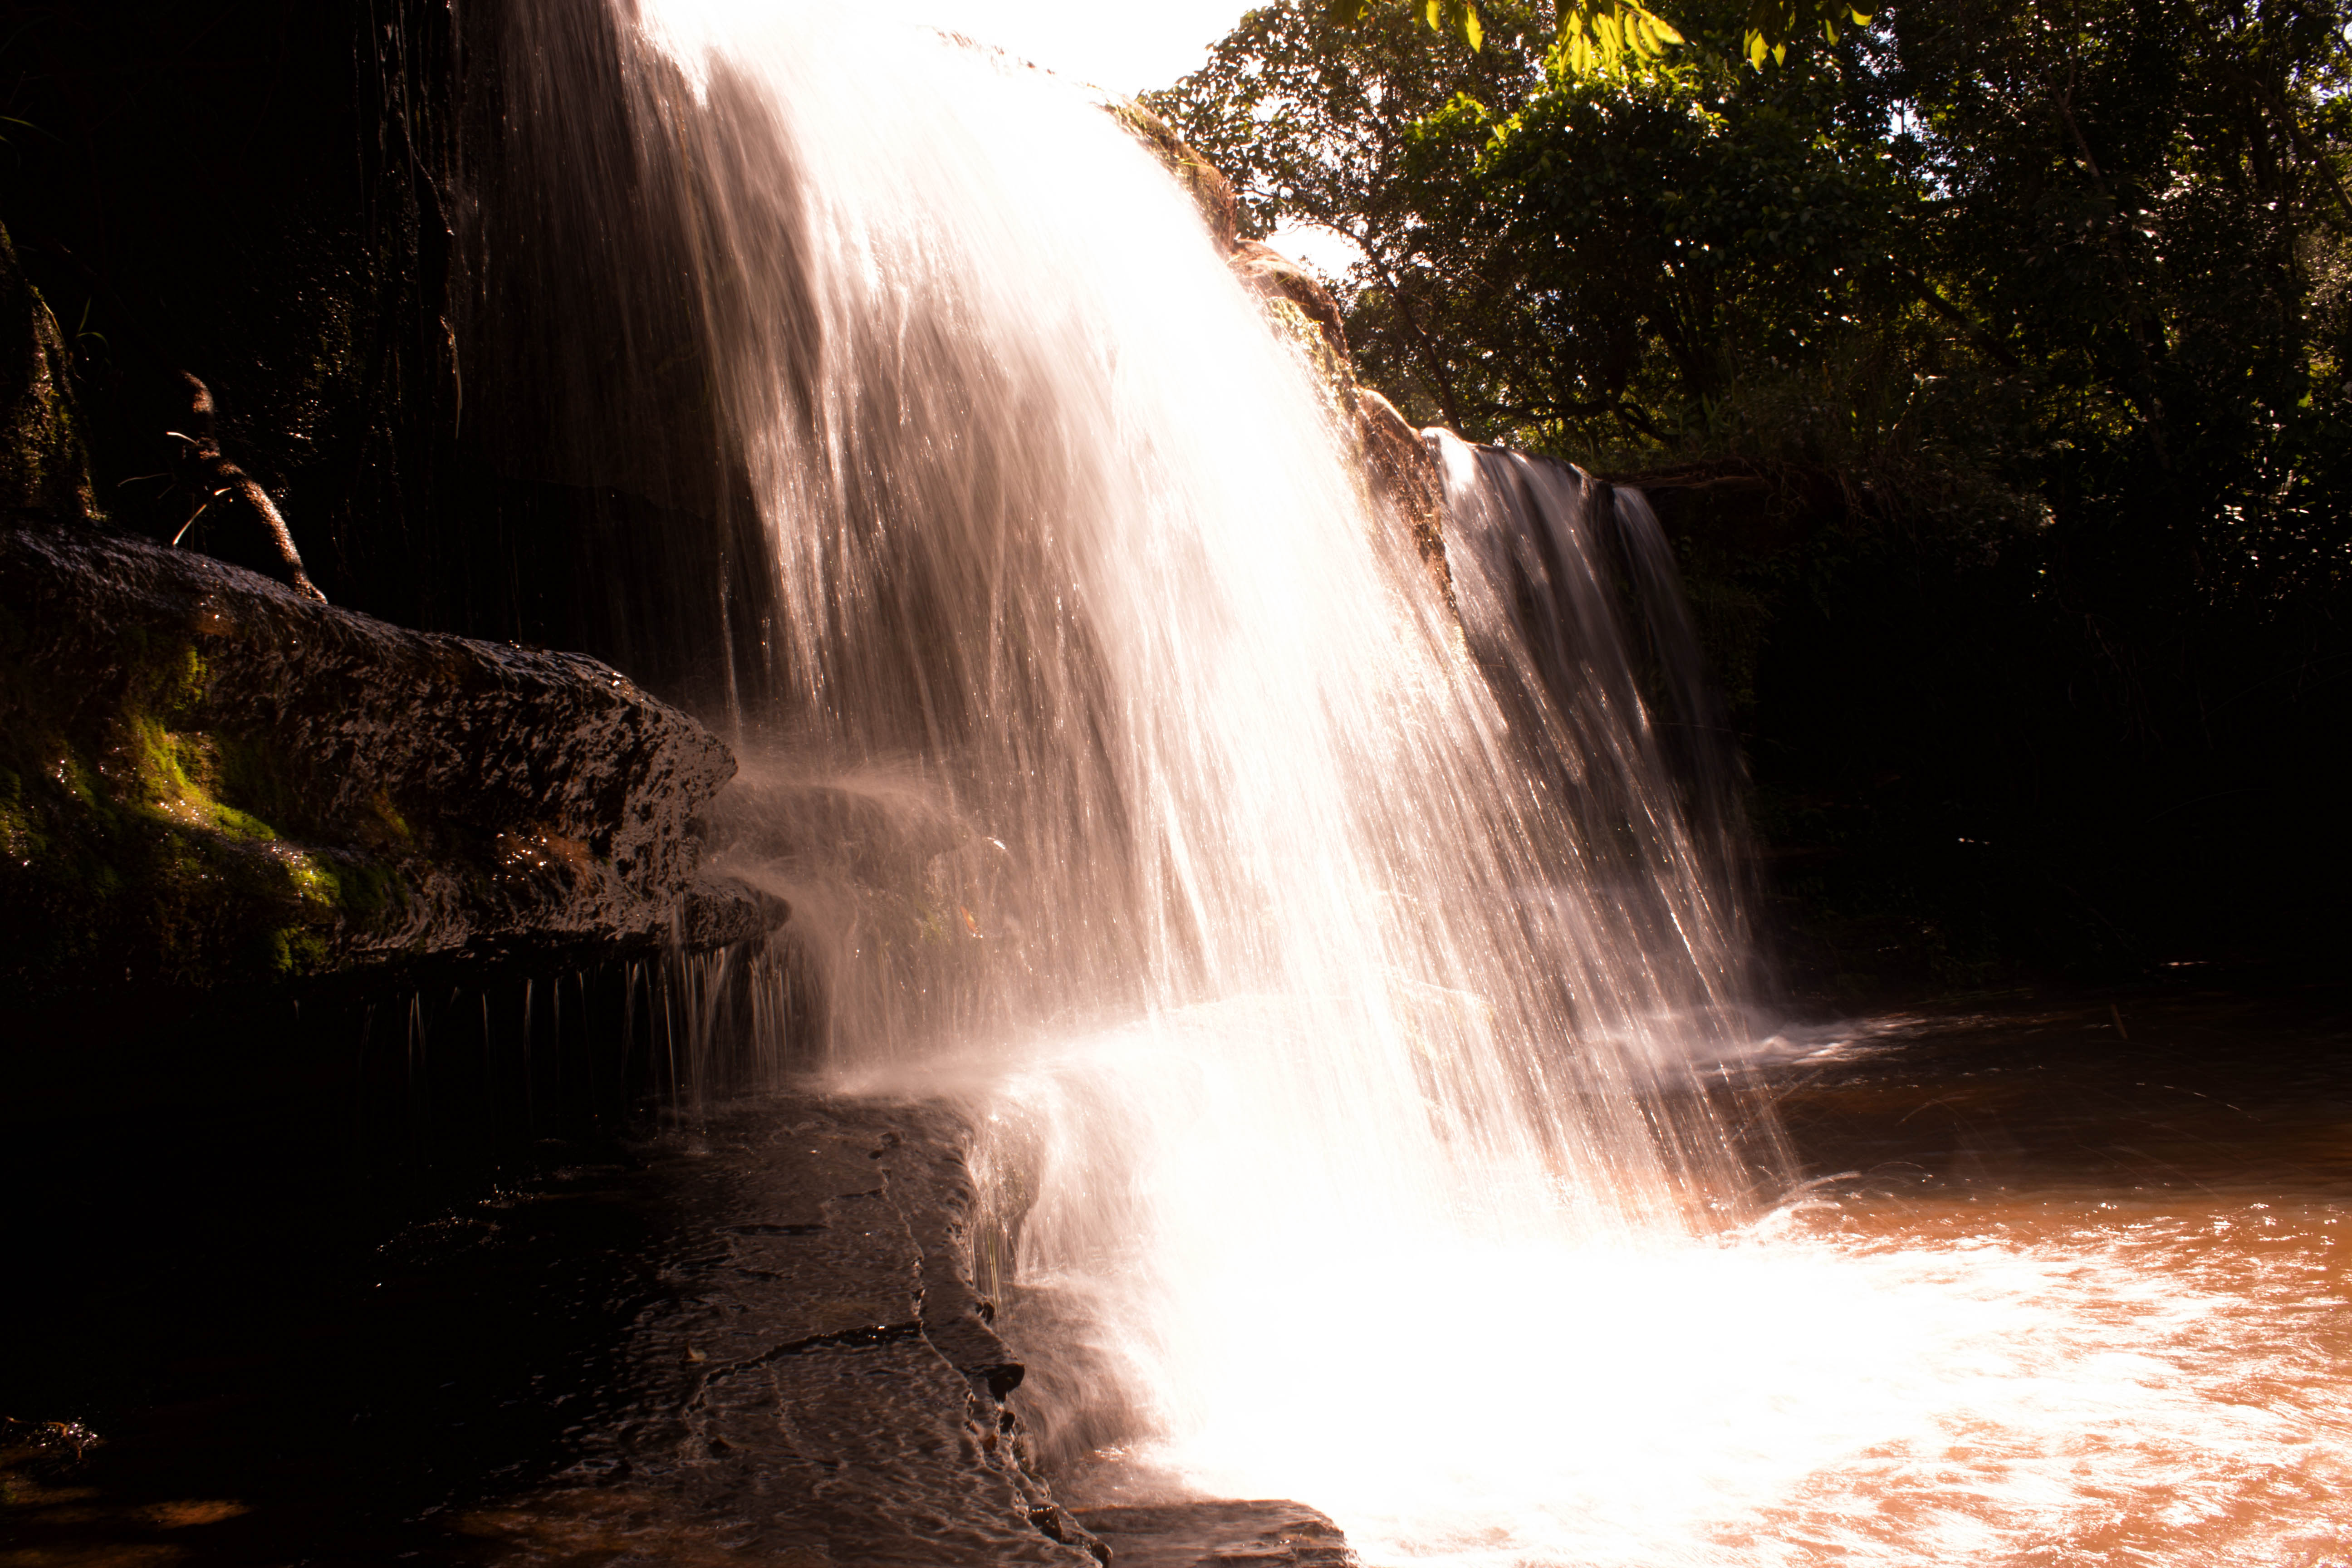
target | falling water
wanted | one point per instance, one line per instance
(1075, 577)
(1347, 986)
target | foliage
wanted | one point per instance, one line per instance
(1774, 25)
(1602, 35)
(2102, 244)
(2028, 324)
(1604, 38)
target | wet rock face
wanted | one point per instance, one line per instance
(1272, 276)
(43, 470)
(1209, 1533)
(810, 1378)
(752, 1339)
(206, 780)
(1406, 478)
(1204, 181)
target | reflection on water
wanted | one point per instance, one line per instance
(2057, 1295)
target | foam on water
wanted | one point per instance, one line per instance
(1792, 1398)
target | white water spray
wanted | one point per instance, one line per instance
(1314, 966)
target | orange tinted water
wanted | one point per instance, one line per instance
(2053, 1294)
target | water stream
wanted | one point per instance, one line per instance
(1358, 997)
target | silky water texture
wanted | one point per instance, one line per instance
(1352, 985)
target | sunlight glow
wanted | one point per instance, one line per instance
(1793, 1397)
(1126, 49)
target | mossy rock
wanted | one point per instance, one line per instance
(206, 780)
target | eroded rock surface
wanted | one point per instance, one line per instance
(813, 1379)
(207, 780)
(753, 1338)
(1214, 1533)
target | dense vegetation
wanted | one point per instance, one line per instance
(1989, 363)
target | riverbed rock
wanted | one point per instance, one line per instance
(208, 781)
(1219, 1533)
(809, 1376)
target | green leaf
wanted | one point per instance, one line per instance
(1603, 35)
(1774, 25)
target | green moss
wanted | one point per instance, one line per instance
(183, 691)
(315, 879)
(132, 852)
(365, 892)
(290, 951)
(176, 773)
(395, 826)
(21, 838)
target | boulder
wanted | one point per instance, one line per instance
(206, 780)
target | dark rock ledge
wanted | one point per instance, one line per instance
(817, 1380)
(1216, 1533)
(208, 781)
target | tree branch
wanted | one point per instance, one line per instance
(218, 476)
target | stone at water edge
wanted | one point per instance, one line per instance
(206, 780)
(1201, 1535)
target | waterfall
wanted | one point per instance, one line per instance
(1127, 772)
(1346, 975)
(1570, 600)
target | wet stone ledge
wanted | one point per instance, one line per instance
(1219, 1533)
(208, 782)
(753, 1338)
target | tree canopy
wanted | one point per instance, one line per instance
(1599, 34)
(2052, 298)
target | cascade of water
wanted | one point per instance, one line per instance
(1571, 601)
(1332, 972)
(1133, 762)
